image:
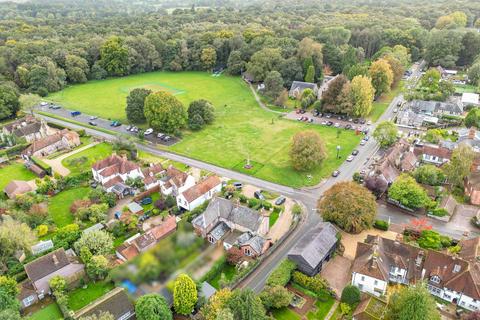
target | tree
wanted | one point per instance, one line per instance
(413, 303)
(474, 74)
(200, 112)
(114, 56)
(310, 75)
(76, 68)
(382, 76)
(282, 98)
(429, 174)
(362, 93)
(234, 256)
(8, 294)
(245, 305)
(330, 98)
(99, 242)
(29, 101)
(235, 64)
(408, 192)
(473, 118)
(164, 112)
(273, 84)
(430, 239)
(262, 62)
(9, 103)
(216, 303)
(184, 295)
(386, 133)
(152, 307)
(276, 297)
(459, 165)
(224, 314)
(136, 104)
(470, 48)
(307, 150)
(350, 295)
(208, 58)
(473, 316)
(443, 47)
(349, 205)
(97, 267)
(397, 68)
(14, 236)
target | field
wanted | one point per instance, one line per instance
(14, 171)
(59, 206)
(82, 161)
(242, 129)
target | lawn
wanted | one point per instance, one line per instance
(59, 205)
(322, 310)
(241, 130)
(82, 161)
(80, 297)
(383, 102)
(50, 312)
(14, 171)
(273, 217)
(466, 88)
(228, 271)
(285, 314)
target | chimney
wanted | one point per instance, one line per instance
(55, 259)
(419, 259)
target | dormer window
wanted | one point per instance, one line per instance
(435, 279)
(457, 268)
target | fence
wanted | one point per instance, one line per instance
(146, 193)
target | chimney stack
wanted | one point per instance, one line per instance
(55, 259)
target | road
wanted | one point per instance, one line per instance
(308, 197)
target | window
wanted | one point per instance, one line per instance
(28, 301)
(248, 252)
(435, 279)
(375, 282)
(363, 278)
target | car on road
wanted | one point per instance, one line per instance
(335, 173)
(148, 131)
(355, 152)
(363, 142)
(395, 110)
(280, 200)
(350, 158)
(93, 118)
(238, 185)
(43, 104)
(75, 113)
(259, 195)
(92, 123)
(115, 123)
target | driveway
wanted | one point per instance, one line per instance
(349, 241)
(57, 165)
(337, 273)
(283, 223)
(462, 216)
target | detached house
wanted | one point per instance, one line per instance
(237, 225)
(41, 270)
(175, 182)
(61, 140)
(113, 172)
(298, 87)
(29, 128)
(199, 193)
(380, 261)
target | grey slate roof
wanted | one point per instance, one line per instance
(316, 244)
(207, 290)
(213, 212)
(435, 107)
(219, 231)
(256, 243)
(116, 302)
(300, 86)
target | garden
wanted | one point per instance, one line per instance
(242, 129)
(59, 205)
(82, 161)
(14, 171)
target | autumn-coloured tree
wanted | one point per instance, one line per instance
(382, 76)
(216, 303)
(362, 93)
(349, 205)
(418, 225)
(330, 98)
(234, 256)
(307, 151)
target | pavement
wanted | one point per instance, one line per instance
(307, 197)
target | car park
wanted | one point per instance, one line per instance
(335, 173)
(350, 158)
(238, 185)
(148, 132)
(92, 123)
(259, 195)
(280, 200)
(355, 152)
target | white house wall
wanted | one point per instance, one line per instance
(369, 284)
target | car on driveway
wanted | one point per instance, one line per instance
(148, 131)
(92, 123)
(355, 152)
(259, 195)
(350, 158)
(335, 173)
(238, 185)
(280, 200)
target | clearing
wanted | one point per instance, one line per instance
(242, 130)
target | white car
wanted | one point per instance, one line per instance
(43, 104)
(350, 158)
(363, 142)
(148, 131)
(160, 135)
(93, 118)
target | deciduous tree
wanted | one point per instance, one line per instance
(245, 305)
(99, 242)
(136, 104)
(330, 98)
(152, 307)
(9, 103)
(184, 295)
(273, 84)
(307, 150)
(362, 93)
(412, 302)
(164, 112)
(216, 303)
(408, 192)
(208, 58)
(459, 165)
(386, 133)
(382, 76)
(276, 297)
(114, 56)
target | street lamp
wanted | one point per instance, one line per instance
(338, 151)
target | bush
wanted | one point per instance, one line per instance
(297, 209)
(381, 225)
(242, 198)
(315, 284)
(350, 295)
(439, 212)
(41, 164)
(282, 274)
(266, 205)
(81, 132)
(252, 202)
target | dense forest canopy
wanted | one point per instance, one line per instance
(46, 44)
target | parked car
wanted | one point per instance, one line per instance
(92, 123)
(259, 195)
(160, 135)
(366, 138)
(369, 122)
(337, 125)
(348, 126)
(55, 107)
(238, 185)
(148, 131)
(335, 173)
(310, 120)
(134, 129)
(93, 118)
(166, 138)
(93, 184)
(329, 123)
(43, 104)
(324, 123)
(395, 110)
(355, 120)
(128, 128)
(355, 152)
(363, 142)
(350, 158)
(280, 200)
(328, 115)
(362, 121)
(145, 201)
(302, 111)
(75, 113)
(115, 123)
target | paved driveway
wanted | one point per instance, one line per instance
(337, 273)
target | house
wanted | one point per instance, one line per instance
(141, 243)
(470, 137)
(470, 99)
(297, 88)
(472, 187)
(175, 182)
(16, 188)
(224, 218)
(380, 261)
(446, 73)
(199, 193)
(29, 128)
(315, 248)
(115, 302)
(432, 154)
(418, 113)
(41, 270)
(61, 140)
(152, 175)
(113, 171)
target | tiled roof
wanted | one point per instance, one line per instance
(16, 187)
(441, 152)
(112, 182)
(128, 251)
(167, 226)
(115, 302)
(201, 188)
(116, 163)
(49, 263)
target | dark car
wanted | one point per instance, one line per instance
(329, 123)
(355, 120)
(280, 200)
(355, 152)
(335, 173)
(115, 124)
(238, 185)
(146, 201)
(362, 121)
(92, 123)
(348, 126)
(259, 195)
(75, 113)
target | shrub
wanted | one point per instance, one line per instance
(381, 225)
(81, 132)
(252, 202)
(170, 201)
(242, 198)
(315, 284)
(350, 295)
(439, 212)
(297, 209)
(42, 165)
(282, 274)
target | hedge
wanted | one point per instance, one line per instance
(214, 270)
(315, 284)
(15, 150)
(381, 225)
(42, 165)
(282, 274)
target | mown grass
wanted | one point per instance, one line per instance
(80, 297)
(59, 205)
(384, 101)
(50, 312)
(82, 161)
(14, 171)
